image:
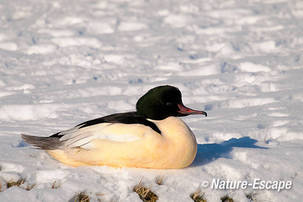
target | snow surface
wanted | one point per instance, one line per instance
(65, 62)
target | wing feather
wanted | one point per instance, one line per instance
(82, 137)
(78, 137)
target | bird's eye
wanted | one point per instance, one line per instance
(169, 104)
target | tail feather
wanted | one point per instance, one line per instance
(46, 143)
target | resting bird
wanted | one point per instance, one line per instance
(151, 137)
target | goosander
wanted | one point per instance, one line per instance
(151, 137)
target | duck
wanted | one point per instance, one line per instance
(152, 137)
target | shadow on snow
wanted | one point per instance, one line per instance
(210, 152)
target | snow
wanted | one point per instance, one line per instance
(64, 62)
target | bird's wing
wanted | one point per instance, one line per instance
(122, 127)
(118, 132)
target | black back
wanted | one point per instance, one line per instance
(126, 118)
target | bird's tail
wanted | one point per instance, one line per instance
(46, 143)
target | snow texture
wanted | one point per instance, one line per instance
(64, 62)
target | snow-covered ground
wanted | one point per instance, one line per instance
(65, 62)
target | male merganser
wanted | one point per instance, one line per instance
(151, 137)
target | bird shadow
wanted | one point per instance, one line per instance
(209, 152)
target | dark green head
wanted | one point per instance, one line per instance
(162, 102)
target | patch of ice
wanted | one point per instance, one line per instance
(122, 105)
(116, 59)
(284, 134)
(242, 103)
(10, 46)
(266, 46)
(100, 27)
(280, 123)
(249, 20)
(269, 87)
(57, 32)
(268, 28)
(49, 176)
(246, 117)
(27, 112)
(225, 136)
(163, 12)
(88, 92)
(2, 37)
(298, 96)
(22, 87)
(5, 93)
(175, 67)
(230, 13)
(11, 167)
(252, 67)
(189, 8)
(278, 114)
(275, 133)
(10, 176)
(69, 20)
(21, 14)
(77, 41)
(243, 156)
(201, 71)
(131, 26)
(177, 21)
(41, 49)
(226, 171)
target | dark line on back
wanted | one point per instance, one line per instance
(126, 118)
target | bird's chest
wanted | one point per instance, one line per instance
(180, 146)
